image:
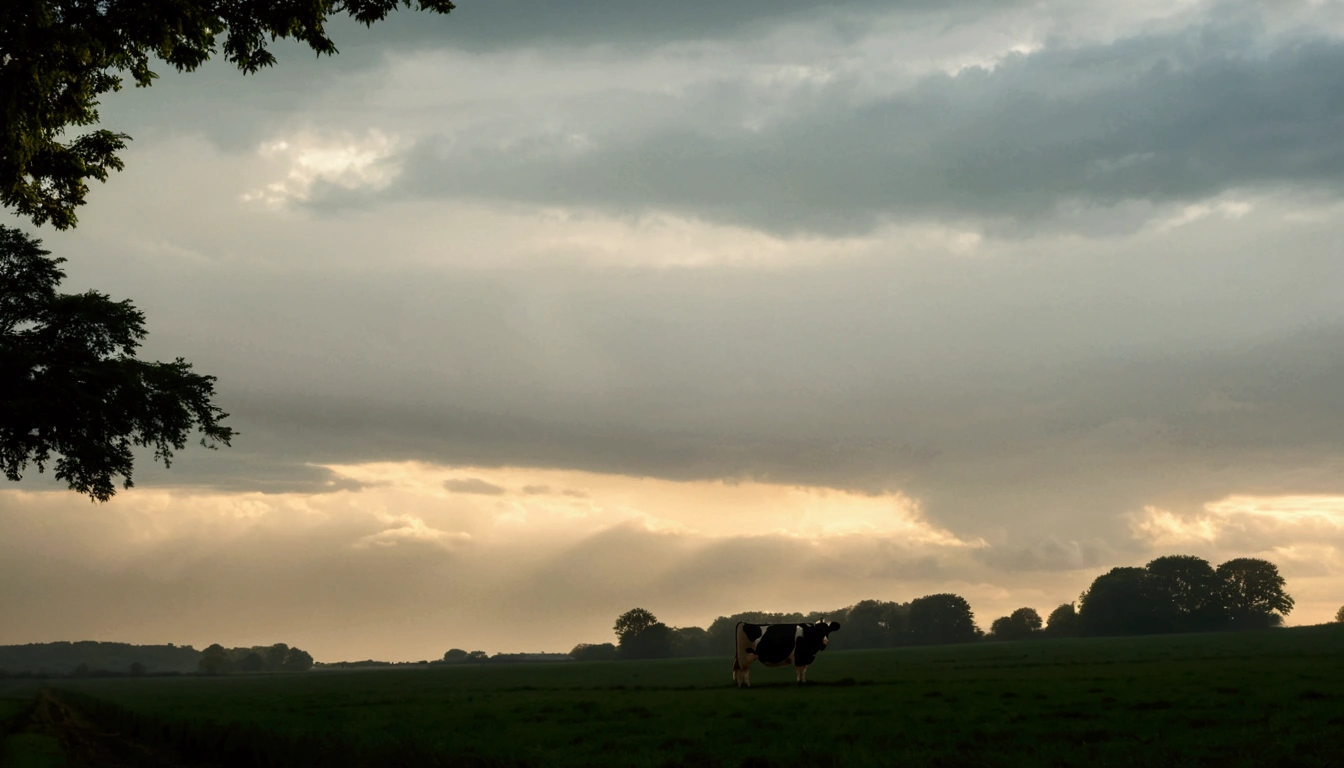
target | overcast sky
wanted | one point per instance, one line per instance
(537, 312)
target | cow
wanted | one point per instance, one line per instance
(778, 644)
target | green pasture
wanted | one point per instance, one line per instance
(19, 748)
(1274, 697)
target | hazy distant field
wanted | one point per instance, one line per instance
(1264, 698)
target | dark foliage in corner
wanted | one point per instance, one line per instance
(70, 383)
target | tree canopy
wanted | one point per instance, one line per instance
(70, 383)
(632, 622)
(57, 57)
(656, 641)
(943, 618)
(1022, 624)
(1120, 602)
(1252, 593)
(874, 624)
(1063, 622)
(1181, 593)
(594, 652)
(1188, 588)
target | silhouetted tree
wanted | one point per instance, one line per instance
(942, 618)
(594, 652)
(60, 56)
(1251, 591)
(690, 642)
(873, 624)
(70, 383)
(1124, 601)
(478, 656)
(1186, 589)
(454, 656)
(632, 622)
(275, 657)
(1339, 615)
(215, 660)
(298, 661)
(652, 642)
(1022, 624)
(252, 662)
(1063, 622)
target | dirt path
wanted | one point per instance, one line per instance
(86, 744)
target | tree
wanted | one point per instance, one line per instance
(1123, 601)
(1063, 622)
(632, 622)
(478, 656)
(298, 661)
(70, 383)
(652, 642)
(58, 57)
(275, 657)
(943, 618)
(454, 656)
(252, 662)
(690, 642)
(1251, 591)
(594, 652)
(1022, 624)
(215, 660)
(1339, 615)
(873, 624)
(1188, 590)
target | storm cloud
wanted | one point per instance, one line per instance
(1177, 118)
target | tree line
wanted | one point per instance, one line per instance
(218, 660)
(96, 658)
(1176, 593)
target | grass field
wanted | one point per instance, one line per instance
(1261, 698)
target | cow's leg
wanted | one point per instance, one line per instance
(804, 680)
(798, 674)
(742, 671)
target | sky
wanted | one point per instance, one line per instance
(537, 312)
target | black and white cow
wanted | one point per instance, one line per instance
(778, 644)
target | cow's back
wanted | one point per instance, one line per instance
(772, 644)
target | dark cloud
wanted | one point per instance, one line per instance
(493, 24)
(231, 470)
(1052, 554)
(1056, 458)
(474, 485)
(1181, 117)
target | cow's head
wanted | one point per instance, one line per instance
(819, 633)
